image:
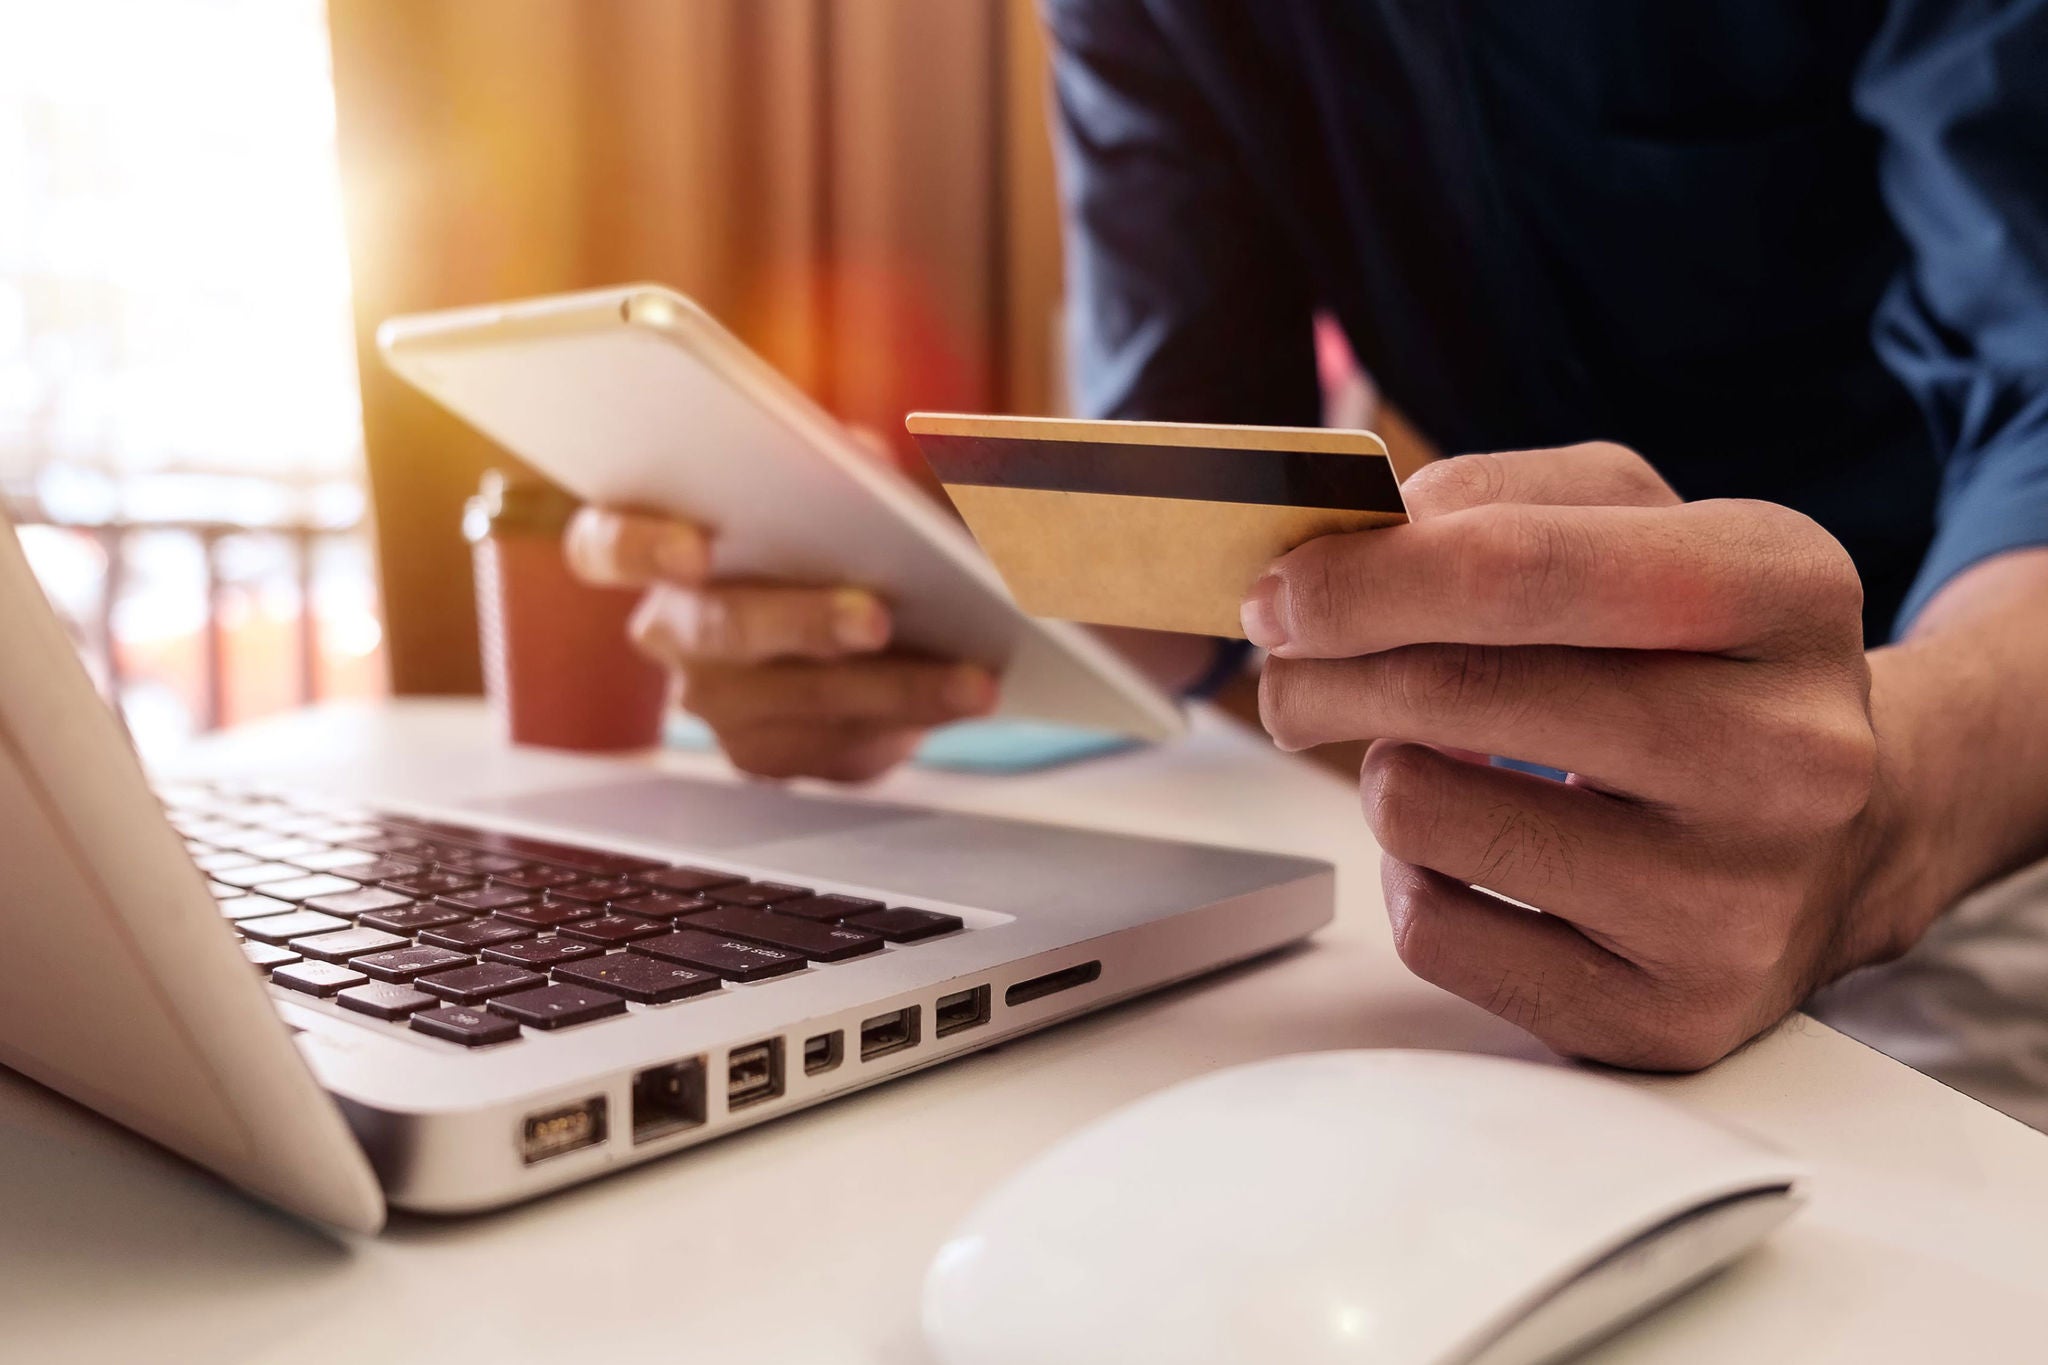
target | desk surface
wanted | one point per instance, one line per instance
(805, 1240)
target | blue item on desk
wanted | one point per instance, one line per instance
(974, 746)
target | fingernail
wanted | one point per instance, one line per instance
(648, 627)
(679, 555)
(1262, 610)
(860, 623)
(970, 691)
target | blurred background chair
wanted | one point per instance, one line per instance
(179, 436)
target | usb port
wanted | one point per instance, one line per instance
(822, 1051)
(960, 1010)
(554, 1132)
(753, 1073)
(887, 1033)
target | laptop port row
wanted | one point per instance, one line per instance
(672, 1098)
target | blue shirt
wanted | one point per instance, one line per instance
(1787, 249)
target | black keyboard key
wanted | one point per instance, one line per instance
(383, 870)
(385, 1000)
(268, 955)
(612, 930)
(485, 899)
(413, 918)
(539, 954)
(426, 884)
(325, 859)
(588, 861)
(284, 928)
(756, 894)
(609, 864)
(287, 850)
(827, 909)
(818, 942)
(538, 877)
(307, 887)
(256, 874)
(645, 979)
(361, 900)
(254, 907)
(389, 841)
(317, 978)
(728, 957)
(345, 944)
(688, 880)
(488, 864)
(903, 925)
(474, 985)
(549, 914)
(242, 840)
(346, 832)
(297, 822)
(663, 905)
(558, 1006)
(440, 854)
(403, 964)
(540, 850)
(598, 892)
(477, 933)
(469, 1027)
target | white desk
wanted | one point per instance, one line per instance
(805, 1241)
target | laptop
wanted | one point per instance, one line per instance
(447, 977)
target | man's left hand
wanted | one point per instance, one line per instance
(1699, 670)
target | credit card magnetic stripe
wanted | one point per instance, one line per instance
(1335, 480)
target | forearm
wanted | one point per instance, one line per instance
(1961, 712)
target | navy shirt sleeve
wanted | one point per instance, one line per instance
(1184, 300)
(1960, 90)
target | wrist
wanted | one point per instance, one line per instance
(1952, 806)
(1960, 709)
(1901, 875)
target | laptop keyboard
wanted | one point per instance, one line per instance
(471, 936)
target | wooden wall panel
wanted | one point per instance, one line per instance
(912, 214)
(1034, 378)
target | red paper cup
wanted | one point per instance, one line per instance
(558, 668)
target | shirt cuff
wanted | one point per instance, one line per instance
(2003, 506)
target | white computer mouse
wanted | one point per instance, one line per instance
(1396, 1207)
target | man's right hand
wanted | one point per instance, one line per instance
(794, 681)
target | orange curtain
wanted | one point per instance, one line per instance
(862, 189)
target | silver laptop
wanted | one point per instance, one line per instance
(515, 970)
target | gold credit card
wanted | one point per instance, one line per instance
(1160, 525)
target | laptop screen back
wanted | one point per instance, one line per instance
(120, 984)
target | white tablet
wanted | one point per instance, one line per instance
(635, 397)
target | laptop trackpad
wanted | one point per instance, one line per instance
(700, 815)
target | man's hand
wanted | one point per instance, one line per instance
(1699, 670)
(794, 681)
